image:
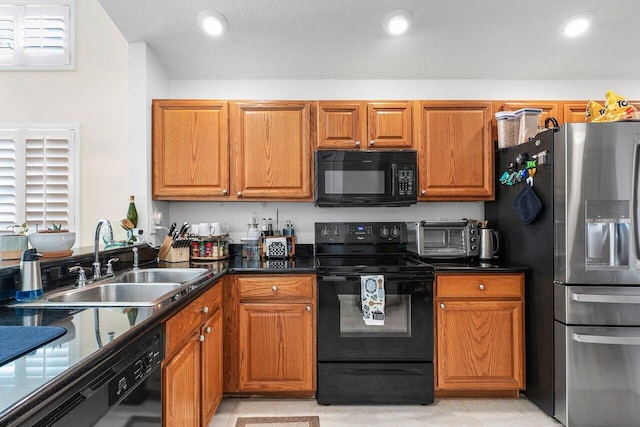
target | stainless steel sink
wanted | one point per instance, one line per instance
(137, 288)
(116, 294)
(161, 275)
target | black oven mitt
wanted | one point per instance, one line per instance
(527, 205)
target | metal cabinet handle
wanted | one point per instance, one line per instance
(481, 286)
(208, 329)
(274, 288)
(357, 143)
(371, 143)
(423, 192)
(239, 193)
(225, 192)
(205, 310)
(201, 338)
(308, 308)
(442, 305)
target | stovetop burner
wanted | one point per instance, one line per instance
(370, 247)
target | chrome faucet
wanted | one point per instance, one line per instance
(96, 245)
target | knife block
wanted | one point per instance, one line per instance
(170, 254)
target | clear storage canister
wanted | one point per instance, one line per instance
(507, 132)
(528, 123)
(250, 248)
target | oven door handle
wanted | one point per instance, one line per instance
(377, 371)
(339, 278)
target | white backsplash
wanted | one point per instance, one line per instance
(304, 215)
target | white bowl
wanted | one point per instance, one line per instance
(52, 242)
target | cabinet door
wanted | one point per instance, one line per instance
(342, 125)
(272, 150)
(455, 150)
(181, 387)
(276, 347)
(574, 112)
(480, 345)
(549, 109)
(389, 125)
(212, 371)
(190, 150)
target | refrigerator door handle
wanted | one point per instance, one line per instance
(604, 339)
(634, 198)
(607, 299)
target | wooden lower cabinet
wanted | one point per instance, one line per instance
(270, 339)
(480, 333)
(192, 375)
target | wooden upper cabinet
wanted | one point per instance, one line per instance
(272, 150)
(549, 108)
(365, 125)
(455, 150)
(389, 125)
(574, 112)
(342, 125)
(190, 149)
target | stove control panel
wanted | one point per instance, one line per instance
(360, 232)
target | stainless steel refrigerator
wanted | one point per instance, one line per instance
(582, 291)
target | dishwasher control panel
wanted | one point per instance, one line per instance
(143, 360)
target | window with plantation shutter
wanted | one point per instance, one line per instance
(39, 177)
(37, 34)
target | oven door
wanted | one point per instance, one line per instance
(407, 333)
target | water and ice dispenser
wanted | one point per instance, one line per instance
(607, 239)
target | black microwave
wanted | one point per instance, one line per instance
(365, 178)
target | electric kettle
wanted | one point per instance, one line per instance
(489, 244)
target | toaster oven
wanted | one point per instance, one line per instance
(444, 238)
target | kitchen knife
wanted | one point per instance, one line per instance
(183, 229)
(172, 229)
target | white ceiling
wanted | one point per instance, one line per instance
(343, 39)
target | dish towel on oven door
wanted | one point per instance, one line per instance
(372, 292)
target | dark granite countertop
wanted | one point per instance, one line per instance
(48, 369)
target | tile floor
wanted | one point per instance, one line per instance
(444, 412)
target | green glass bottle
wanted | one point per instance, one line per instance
(132, 213)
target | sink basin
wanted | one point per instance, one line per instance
(161, 275)
(115, 295)
(137, 288)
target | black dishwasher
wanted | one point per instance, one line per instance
(124, 390)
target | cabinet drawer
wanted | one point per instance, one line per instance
(480, 286)
(187, 322)
(275, 287)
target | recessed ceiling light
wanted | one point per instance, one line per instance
(578, 24)
(397, 22)
(212, 22)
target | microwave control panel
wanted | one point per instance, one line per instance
(405, 182)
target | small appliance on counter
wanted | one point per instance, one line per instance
(444, 238)
(489, 244)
